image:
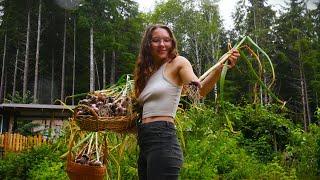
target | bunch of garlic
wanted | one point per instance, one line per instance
(106, 106)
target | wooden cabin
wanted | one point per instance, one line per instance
(47, 115)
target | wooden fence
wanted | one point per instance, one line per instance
(18, 142)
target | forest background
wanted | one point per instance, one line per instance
(55, 49)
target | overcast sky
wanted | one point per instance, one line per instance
(226, 8)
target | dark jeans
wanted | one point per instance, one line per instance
(160, 154)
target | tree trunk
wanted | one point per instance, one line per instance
(74, 59)
(104, 69)
(303, 96)
(198, 63)
(307, 98)
(15, 74)
(11, 122)
(266, 99)
(52, 77)
(5, 83)
(97, 73)
(36, 69)
(26, 60)
(215, 59)
(92, 78)
(63, 57)
(113, 68)
(3, 68)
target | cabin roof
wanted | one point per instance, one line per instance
(13, 106)
(36, 111)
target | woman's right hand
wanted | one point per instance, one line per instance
(196, 83)
(233, 58)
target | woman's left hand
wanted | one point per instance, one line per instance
(233, 58)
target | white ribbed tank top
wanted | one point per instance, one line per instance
(160, 97)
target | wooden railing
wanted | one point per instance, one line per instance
(18, 142)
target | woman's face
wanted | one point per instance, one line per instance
(161, 44)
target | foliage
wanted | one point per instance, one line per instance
(318, 114)
(212, 150)
(294, 32)
(122, 157)
(262, 144)
(27, 163)
(265, 130)
(17, 98)
(303, 152)
(48, 170)
(25, 128)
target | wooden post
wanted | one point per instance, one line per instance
(28, 142)
(5, 141)
(14, 142)
(39, 140)
(20, 142)
(25, 142)
(11, 121)
(1, 140)
(1, 124)
(10, 141)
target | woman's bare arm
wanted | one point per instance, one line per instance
(206, 85)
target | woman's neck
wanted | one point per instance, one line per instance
(158, 63)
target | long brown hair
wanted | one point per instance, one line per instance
(145, 66)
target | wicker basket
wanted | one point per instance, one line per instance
(85, 172)
(119, 124)
(77, 171)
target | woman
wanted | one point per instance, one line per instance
(160, 74)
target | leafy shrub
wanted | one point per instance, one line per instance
(48, 170)
(17, 98)
(217, 155)
(213, 150)
(200, 120)
(274, 170)
(25, 128)
(122, 157)
(317, 114)
(265, 130)
(249, 142)
(303, 153)
(20, 165)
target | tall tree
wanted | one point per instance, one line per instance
(104, 74)
(74, 58)
(3, 69)
(88, 20)
(315, 56)
(63, 65)
(26, 57)
(113, 67)
(15, 74)
(92, 76)
(36, 69)
(293, 35)
(52, 78)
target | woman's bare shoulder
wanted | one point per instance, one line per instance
(181, 61)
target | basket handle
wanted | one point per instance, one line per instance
(93, 112)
